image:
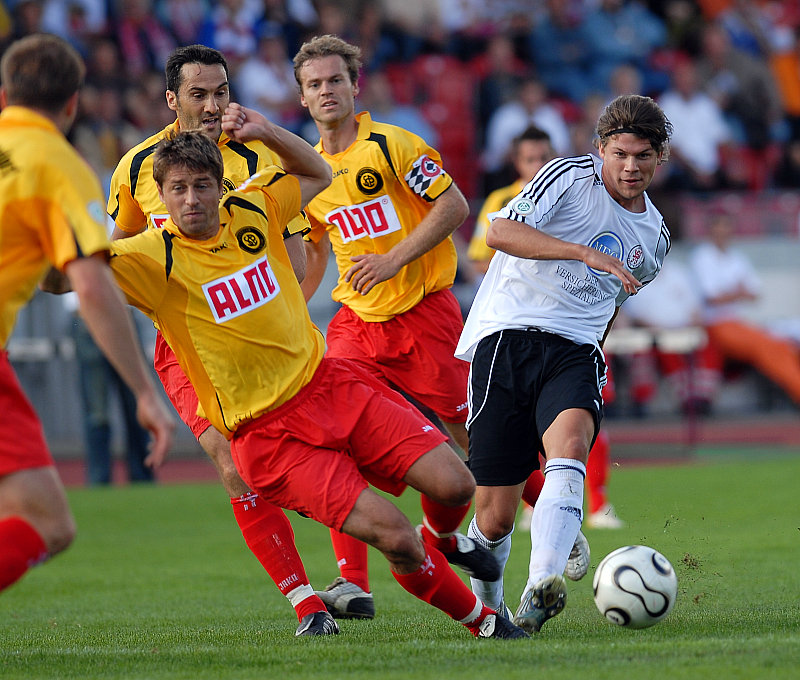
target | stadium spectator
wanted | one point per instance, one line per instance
(51, 208)
(623, 32)
(701, 133)
(500, 72)
(378, 99)
(673, 303)
(265, 81)
(306, 430)
(745, 90)
(530, 107)
(143, 41)
(389, 217)
(230, 27)
(183, 18)
(198, 92)
(561, 52)
(727, 282)
(533, 338)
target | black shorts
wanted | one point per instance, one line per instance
(520, 380)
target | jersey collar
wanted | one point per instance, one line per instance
(22, 115)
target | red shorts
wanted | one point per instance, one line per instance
(22, 444)
(177, 386)
(413, 352)
(317, 452)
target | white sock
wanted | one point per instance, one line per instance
(556, 518)
(491, 592)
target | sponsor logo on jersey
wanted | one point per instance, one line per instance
(422, 174)
(374, 218)
(635, 257)
(158, 221)
(523, 206)
(251, 240)
(369, 181)
(609, 243)
(341, 171)
(227, 185)
(241, 292)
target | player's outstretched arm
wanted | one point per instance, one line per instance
(297, 156)
(522, 240)
(106, 314)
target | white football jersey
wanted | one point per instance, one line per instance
(567, 200)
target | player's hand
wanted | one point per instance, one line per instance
(244, 125)
(607, 263)
(369, 270)
(153, 415)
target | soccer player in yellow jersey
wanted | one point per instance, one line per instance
(530, 150)
(51, 213)
(389, 215)
(308, 433)
(198, 91)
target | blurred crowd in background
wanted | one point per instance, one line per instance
(471, 75)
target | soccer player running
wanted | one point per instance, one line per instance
(198, 91)
(389, 215)
(51, 213)
(306, 431)
(578, 240)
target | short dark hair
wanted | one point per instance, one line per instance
(638, 115)
(532, 134)
(190, 54)
(326, 46)
(191, 150)
(41, 71)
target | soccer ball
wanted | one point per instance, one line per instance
(635, 586)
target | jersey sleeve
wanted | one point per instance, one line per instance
(122, 207)
(140, 267)
(542, 197)
(420, 166)
(77, 202)
(282, 191)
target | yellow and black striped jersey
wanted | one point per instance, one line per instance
(383, 186)
(229, 307)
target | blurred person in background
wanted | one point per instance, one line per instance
(728, 282)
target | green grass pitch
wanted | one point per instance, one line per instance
(159, 584)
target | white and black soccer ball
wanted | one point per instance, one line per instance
(635, 586)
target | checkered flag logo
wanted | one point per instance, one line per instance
(422, 174)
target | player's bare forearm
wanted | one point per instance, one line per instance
(297, 255)
(447, 214)
(522, 240)
(316, 264)
(297, 156)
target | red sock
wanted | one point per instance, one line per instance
(440, 522)
(597, 471)
(533, 487)
(269, 535)
(438, 585)
(351, 558)
(21, 547)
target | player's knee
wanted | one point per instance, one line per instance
(58, 533)
(495, 527)
(460, 488)
(404, 549)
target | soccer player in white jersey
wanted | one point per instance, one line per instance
(580, 238)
